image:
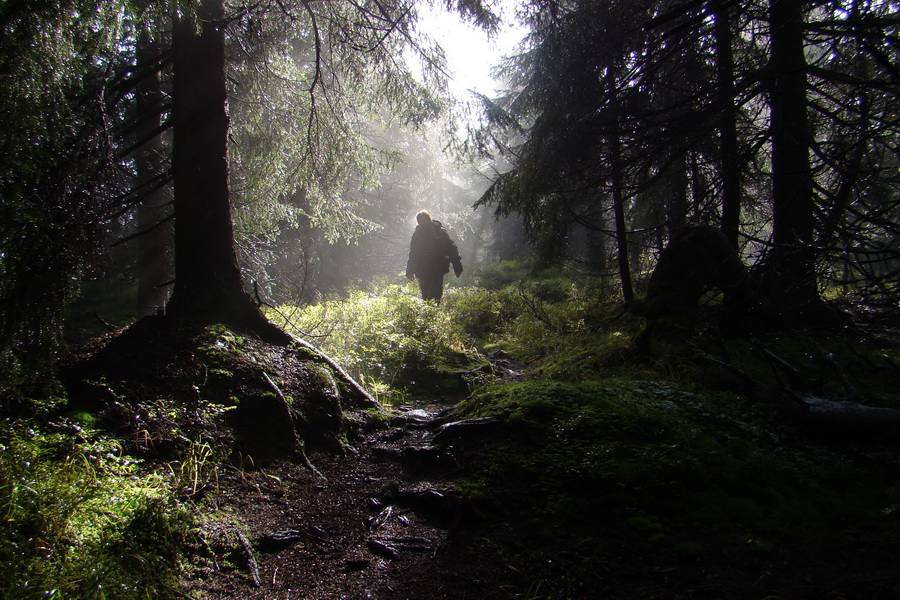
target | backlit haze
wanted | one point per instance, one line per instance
(471, 53)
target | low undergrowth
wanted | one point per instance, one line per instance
(611, 465)
(603, 472)
(388, 339)
(81, 519)
(403, 348)
(609, 468)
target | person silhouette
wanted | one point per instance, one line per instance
(431, 253)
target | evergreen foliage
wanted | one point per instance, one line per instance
(77, 124)
(617, 118)
(59, 62)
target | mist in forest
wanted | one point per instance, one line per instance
(595, 144)
(675, 334)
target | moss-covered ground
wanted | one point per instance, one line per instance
(587, 482)
(618, 475)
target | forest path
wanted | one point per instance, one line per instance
(377, 524)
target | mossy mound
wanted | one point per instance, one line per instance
(597, 473)
(160, 385)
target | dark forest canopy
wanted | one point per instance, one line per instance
(622, 123)
(775, 121)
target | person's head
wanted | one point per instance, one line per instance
(423, 218)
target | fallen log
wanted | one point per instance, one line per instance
(834, 420)
(846, 420)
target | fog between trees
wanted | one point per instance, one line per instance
(620, 122)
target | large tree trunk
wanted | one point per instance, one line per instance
(677, 206)
(207, 277)
(208, 286)
(619, 215)
(791, 268)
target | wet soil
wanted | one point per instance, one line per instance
(376, 524)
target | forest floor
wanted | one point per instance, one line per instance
(379, 521)
(385, 524)
(390, 517)
(356, 526)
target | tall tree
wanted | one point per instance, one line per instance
(151, 162)
(728, 139)
(58, 180)
(792, 181)
(785, 176)
(597, 80)
(207, 277)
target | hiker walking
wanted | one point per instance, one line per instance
(431, 252)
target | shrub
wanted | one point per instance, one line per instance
(388, 338)
(500, 275)
(481, 314)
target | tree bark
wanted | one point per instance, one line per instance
(208, 279)
(677, 206)
(208, 287)
(152, 262)
(792, 268)
(619, 212)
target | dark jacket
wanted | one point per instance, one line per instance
(431, 252)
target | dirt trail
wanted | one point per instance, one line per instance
(380, 524)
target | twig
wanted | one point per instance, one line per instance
(109, 326)
(301, 454)
(795, 379)
(137, 234)
(274, 387)
(252, 565)
(287, 320)
(730, 367)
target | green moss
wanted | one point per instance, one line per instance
(82, 418)
(671, 458)
(80, 520)
(322, 378)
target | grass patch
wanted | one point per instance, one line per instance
(82, 520)
(389, 339)
(402, 348)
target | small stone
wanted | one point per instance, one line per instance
(383, 550)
